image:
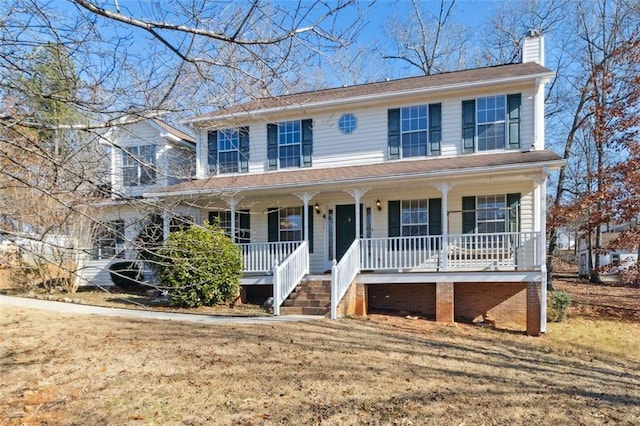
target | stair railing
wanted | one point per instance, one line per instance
(288, 274)
(343, 274)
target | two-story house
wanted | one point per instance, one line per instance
(422, 194)
(142, 155)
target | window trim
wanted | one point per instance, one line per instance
(404, 132)
(235, 132)
(496, 122)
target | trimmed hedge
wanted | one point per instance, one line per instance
(200, 266)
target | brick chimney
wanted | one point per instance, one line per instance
(533, 47)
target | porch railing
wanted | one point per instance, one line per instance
(343, 274)
(260, 257)
(466, 251)
(288, 274)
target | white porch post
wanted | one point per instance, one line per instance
(232, 202)
(166, 224)
(444, 189)
(540, 225)
(306, 197)
(357, 194)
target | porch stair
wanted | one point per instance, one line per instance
(310, 297)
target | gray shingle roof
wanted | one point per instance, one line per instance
(342, 175)
(476, 75)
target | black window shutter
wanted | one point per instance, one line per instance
(435, 216)
(272, 146)
(212, 150)
(468, 215)
(244, 234)
(468, 125)
(243, 151)
(307, 142)
(394, 133)
(513, 108)
(435, 128)
(273, 234)
(513, 201)
(311, 211)
(393, 213)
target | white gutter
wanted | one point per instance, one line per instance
(369, 98)
(554, 164)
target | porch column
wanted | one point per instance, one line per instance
(540, 225)
(444, 302)
(232, 202)
(444, 189)
(306, 197)
(357, 195)
(166, 224)
(534, 311)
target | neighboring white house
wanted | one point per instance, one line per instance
(423, 194)
(144, 155)
(612, 260)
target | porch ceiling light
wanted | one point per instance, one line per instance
(317, 208)
(378, 204)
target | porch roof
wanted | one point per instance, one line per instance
(387, 171)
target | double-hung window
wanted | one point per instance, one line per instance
(228, 144)
(290, 224)
(491, 123)
(109, 240)
(491, 211)
(228, 150)
(414, 131)
(414, 217)
(289, 144)
(139, 165)
(413, 126)
(242, 224)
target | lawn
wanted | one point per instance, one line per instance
(63, 369)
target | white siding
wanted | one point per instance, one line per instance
(141, 133)
(368, 143)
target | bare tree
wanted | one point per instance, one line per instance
(430, 43)
(127, 64)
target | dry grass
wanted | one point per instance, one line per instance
(64, 370)
(60, 369)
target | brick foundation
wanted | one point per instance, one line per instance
(534, 298)
(444, 302)
(503, 302)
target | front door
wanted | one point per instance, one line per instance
(346, 228)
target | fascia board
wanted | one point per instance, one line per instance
(544, 77)
(550, 165)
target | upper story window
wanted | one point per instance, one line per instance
(290, 144)
(414, 131)
(228, 150)
(139, 165)
(491, 123)
(413, 126)
(347, 123)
